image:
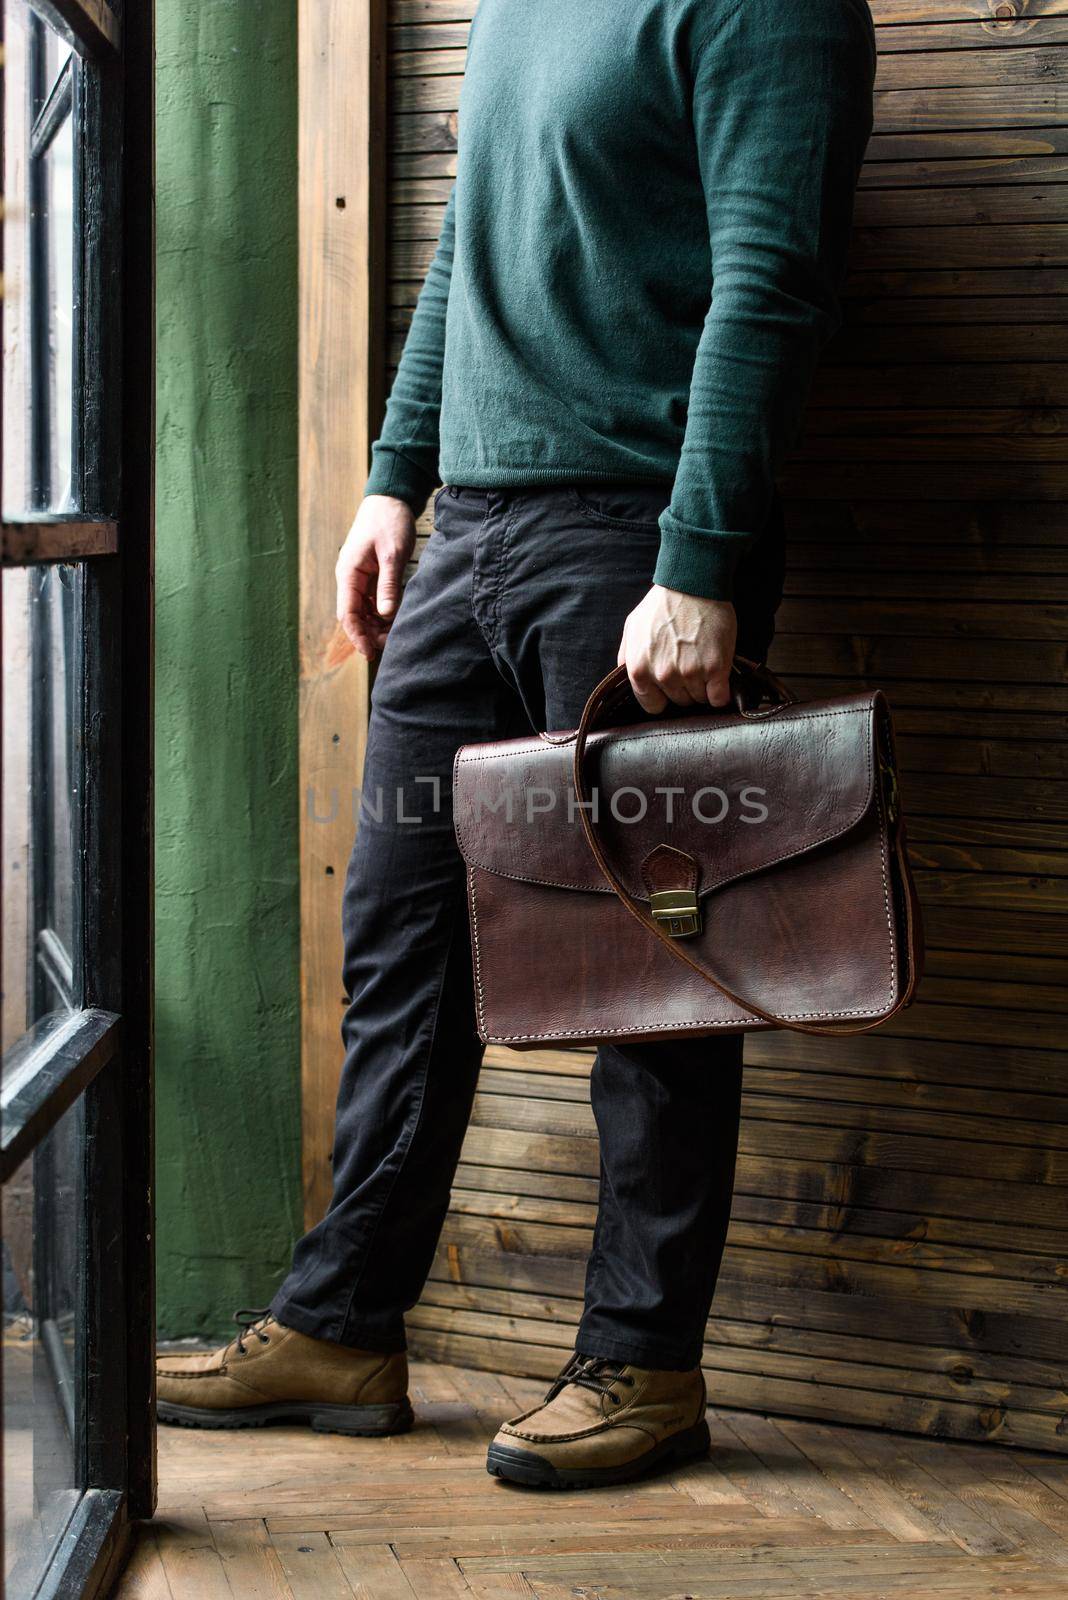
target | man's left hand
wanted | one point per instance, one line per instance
(678, 647)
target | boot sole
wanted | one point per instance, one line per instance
(358, 1421)
(522, 1466)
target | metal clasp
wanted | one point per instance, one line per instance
(677, 910)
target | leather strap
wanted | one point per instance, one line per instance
(747, 680)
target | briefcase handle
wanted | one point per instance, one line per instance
(747, 679)
(751, 684)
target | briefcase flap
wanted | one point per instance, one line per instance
(738, 794)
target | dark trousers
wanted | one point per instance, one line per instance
(514, 613)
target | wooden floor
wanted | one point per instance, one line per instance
(781, 1509)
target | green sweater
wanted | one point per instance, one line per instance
(614, 157)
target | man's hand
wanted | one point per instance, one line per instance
(677, 647)
(369, 568)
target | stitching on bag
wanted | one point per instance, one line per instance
(479, 993)
(884, 851)
(604, 888)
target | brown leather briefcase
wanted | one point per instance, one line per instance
(726, 870)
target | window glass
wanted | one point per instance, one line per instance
(43, 1321)
(18, 493)
(41, 812)
(56, 54)
(55, 283)
(39, 263)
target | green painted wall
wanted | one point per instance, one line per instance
(226, 673)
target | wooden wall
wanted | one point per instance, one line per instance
(342, 216)
(897, 1254)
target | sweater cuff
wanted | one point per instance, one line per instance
(393, 474)
(698, 561)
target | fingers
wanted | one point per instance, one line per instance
(718, 687)
(647, 691)
(352, 583)
(368, 591)
(678, 650)
(370, 569)
(654, 689)
(390, 570)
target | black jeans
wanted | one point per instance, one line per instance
(514, 613)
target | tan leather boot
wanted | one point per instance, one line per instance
(603, 1422)
(274, 1374)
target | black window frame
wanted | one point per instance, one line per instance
(100, 1052)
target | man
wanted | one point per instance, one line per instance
(608, 427)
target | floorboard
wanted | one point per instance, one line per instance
(783, 1509)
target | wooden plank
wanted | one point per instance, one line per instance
(433, 1578)
(876, 1055)
(417, 43)
(144, 1577)
(756, 1357)
(190, 1559)
(853, 1234)
(958, 205)
(885, 13)
(791, 1097)
(1019, 15)
(681, 1530)
(969, 1528)
(921, 248)
(874, 656)
(341, 223)
(933, 344)
(249, 1559)
(1019, 451)
(839, 555)
(832, 1457)
(373, 1571)
(311, 1566)
(900, 522)
(764, 1201)
(988, 32)
(851, 1552)
(970, 1191)
(425, 140)
(819, 1398)
(948, 144)
(1032, 61)
(1023, 1484)
(56, 538)
(918, 1141)
(929, 246)
(358, 1529)
(1024, 92)
(1005, 1511)
(765, 1271)
(853, 1078)
(776, 1452)
(830, 1313)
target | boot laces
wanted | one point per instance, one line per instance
(252, 1322)
(593, 1372)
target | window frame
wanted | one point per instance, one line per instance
(102, 1052)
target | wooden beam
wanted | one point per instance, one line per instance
(37, 539)
(342, 342)
(90, 25)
